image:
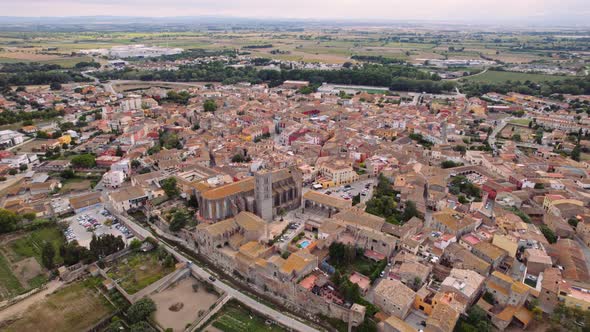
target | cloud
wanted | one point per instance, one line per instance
(447, 10)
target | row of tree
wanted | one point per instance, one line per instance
(397, 77)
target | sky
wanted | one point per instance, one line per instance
(566, 11)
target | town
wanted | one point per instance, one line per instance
(137, 199)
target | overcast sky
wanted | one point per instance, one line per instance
(573, 11)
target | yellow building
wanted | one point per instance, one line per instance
(65, 139)
(506, 242)
(338, 171)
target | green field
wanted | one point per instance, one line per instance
(10, 284)
(138, 270)
(76, 307)
(31, 244)
(502, 76)
(235, 317)
(521, 122)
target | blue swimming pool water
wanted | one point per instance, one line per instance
(304, 244)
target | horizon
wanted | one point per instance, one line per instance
(483, 12)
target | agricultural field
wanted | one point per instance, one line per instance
(20, 260)
(138, 270)
(235, 317)
(502, 76)
(74, 308)
(310, 45)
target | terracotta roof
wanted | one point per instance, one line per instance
(443, 318)
(128, 193)
(297, 262)
(399, 325)
(327, 200)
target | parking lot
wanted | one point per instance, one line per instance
(365, 188)
(96, 221)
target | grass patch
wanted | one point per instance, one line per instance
(37, 281)
(138, 270)
(9, 284)
(31, 244)
(235, 317)
(73, 308)
(521, 122)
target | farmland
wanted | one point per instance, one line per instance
(502, 76)
(73, 308)
(20, 260)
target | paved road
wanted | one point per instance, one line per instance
(205, 275)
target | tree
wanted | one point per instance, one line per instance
(55, 86)
(42, 134)
(8, 221)
(209, 106)
(141, 310)
(170, 187)
(12, 171)
(104, 245)
(47, 255)
(84, 161)
(23, 167)
(410, 211)
(142, 326)
(516, 138)
(449, 164)
(576, 152)
(67, 174)
(193, 202)
(72, 253)
(179, 220)
(119, 152)
(135, 244)
(356, 199)
(135, 163)
(548, 233)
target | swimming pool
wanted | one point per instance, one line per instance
(304, 244)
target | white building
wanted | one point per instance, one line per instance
(10, 138)
(122, 165)
(113, 179)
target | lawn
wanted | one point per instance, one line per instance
(502, 76)
(136, 271)
(235, 317)
(31, 244)
(73, 308)
(361, 265)
(521, 122)
(76, 184)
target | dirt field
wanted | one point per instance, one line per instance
(73, 308)
(180, 304)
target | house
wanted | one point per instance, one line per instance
(113, 179)
(489, 253)
(442, 319)
(467, 284)
(453, 222)
(394, 298)
(129, 198)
